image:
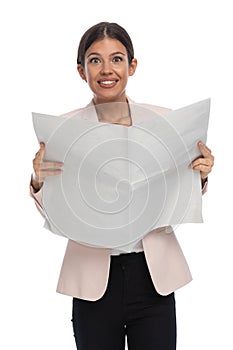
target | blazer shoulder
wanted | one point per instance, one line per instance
(86, 112)
(73, 113)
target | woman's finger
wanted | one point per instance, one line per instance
(205, 151)
(45, 173)
(50, 165)
(40, 154)
(203, 168)
(202, 161)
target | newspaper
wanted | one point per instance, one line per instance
(120, 182)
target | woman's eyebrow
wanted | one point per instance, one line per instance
(112, 54)
(117, 53)
(94, 53)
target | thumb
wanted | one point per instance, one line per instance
(205, 151)
(42, 150)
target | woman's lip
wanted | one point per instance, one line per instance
(107, 83)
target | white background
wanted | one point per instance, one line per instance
(184, 53)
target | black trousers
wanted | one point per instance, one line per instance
(130, 308)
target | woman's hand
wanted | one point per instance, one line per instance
(43, 168)
(205, 163)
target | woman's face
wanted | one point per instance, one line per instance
(107, 70)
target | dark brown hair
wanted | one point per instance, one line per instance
(100, 31)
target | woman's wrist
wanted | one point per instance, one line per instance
(203, 181)
(35, 183)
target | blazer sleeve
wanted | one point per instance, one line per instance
(37, 196)
(205, 186)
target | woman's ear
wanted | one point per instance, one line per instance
(133, 66)
(81, 71)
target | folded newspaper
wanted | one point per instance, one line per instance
(118, 183)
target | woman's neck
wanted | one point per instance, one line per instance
(113, 112)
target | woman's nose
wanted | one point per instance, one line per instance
(106, 68)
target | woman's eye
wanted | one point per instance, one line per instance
(117, 59)
(94, 60)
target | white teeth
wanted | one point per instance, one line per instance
(107, 82)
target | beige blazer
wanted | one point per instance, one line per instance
(85, 270)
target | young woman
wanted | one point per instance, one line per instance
(127, 292)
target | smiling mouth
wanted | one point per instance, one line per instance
(107, 83)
